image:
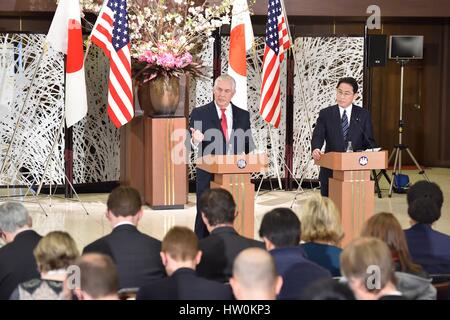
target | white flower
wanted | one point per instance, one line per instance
(177, 26)
(179, 19)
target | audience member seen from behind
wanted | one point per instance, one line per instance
(180, 256)
(367, 265)
(17, 262)
(136, 254)
(280, 230)
(328, 289)
(386, 227)
(255, 276)
(322, 232)
(98, 278)
(428, 247)
(411, 280)
(223, 243)
(54, 254)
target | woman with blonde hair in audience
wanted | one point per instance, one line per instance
(54, 254)
(322, 232)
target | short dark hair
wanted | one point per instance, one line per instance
(282, 227)
(351, 81)
(218, 206)
(124, 201)
(328, 289)
(424, 211)
(99, 275)
(425, 190)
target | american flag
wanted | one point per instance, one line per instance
(110, 33)
(276, 43)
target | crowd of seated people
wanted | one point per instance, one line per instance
(299, 256)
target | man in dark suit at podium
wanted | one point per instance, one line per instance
(218, 127)
(341, 125)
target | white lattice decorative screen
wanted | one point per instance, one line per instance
(96, 141)
(40, 120)
(320, 64)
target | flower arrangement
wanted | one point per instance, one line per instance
(167, 35)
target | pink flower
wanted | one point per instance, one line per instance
(166, 60)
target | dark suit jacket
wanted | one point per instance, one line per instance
(328, 128)
(17, 263)
(219, 250)
(429, 248)
(206, 119)
(136, 255)
(184, 284)
(297, 271)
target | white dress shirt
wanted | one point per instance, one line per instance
(348, 112)
(123, 223)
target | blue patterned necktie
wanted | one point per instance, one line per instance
(344, 122)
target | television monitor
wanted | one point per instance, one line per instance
(405, 47)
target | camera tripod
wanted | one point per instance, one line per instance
(398, 148)
(376, 178)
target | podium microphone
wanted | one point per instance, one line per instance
(358, 122)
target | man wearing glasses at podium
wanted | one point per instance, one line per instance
(343, 127)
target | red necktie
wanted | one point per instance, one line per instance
(224, 125)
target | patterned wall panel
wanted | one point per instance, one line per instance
(320, 63)
(96, 141)
(200, 93)
(39, 121)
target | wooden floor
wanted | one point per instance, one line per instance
(62, 214)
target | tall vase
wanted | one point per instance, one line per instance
(160, 97)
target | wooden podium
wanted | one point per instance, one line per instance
(351, 189)
(233, 172)
(148, 146)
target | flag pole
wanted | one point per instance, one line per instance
(292, 48)
(275, 160)
(308, 118)
(47, 161)
(88, 46)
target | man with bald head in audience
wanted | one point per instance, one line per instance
(255, 276)
(98, 278)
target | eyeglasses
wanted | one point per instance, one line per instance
(344, 93)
